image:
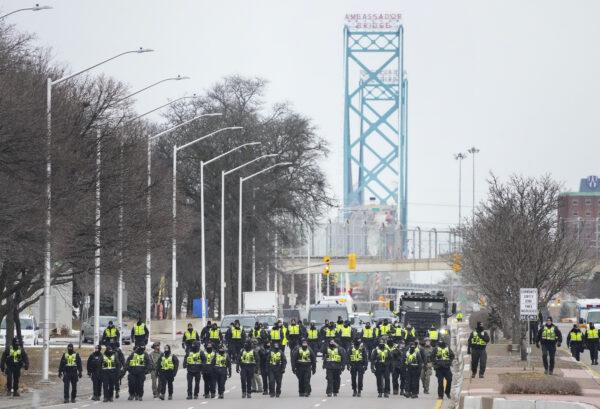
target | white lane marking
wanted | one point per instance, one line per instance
(85, 406)
(191, 407)
(203, 403)
(317, 405)
(343, 384)
(323, 400)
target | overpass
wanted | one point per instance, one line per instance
(297, 265)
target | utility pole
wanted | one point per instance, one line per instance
(459, 157)
(473, 151)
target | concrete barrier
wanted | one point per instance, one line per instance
(479, 402)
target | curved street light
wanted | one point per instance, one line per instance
(37, 7)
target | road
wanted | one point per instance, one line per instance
(289, 397)
(585, 356)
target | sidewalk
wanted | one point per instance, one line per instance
(504, 366)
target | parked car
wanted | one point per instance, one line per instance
(246, 321)
(87, 329)
(380, 315)
(30, 331)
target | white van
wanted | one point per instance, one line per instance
(30, 331)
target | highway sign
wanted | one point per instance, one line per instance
(529, 304)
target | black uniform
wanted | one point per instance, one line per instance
(140, 334)
(121, 359)
(235, 338)
(413, 362)
(259, 335)
(346, 335)
(396, 366)
(167, 367)
(246, 367)
(111, 369)
(94, 371)
(591, 340)
(334, 362)
(208, 362)
(276, 363)
(263, 353)
(380, 366)
(294, 333)
(212, 335)
(357, 364)
(549, 336)
(189, 338)
(370, 337)
(575, 342)
(193, 363)
(442, 357)
(13, 359)
(70, 370)
(476, 345)
(110, 336)
(221, 371)
(313, 337)
(138, 365)
(304, 363)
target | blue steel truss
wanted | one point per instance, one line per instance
(375, 119)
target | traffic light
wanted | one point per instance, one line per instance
(457, 263)
(326, 268)
(352, 261)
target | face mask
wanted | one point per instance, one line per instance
(209, 349)
(331, 346)
(195, 349)
(276, 349)
(548, 324)
(109, 353)
(304, 347)
(70, 350)
(442, 345)
(221, 351)
(412, 349)
(247, 348)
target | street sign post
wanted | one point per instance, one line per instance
(529, 304)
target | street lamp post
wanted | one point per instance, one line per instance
(473, 151)
(202, 228)
(459, 157)
(223, 174)
(37, 7)
(48, 250)
(174, 239)
(242, 180)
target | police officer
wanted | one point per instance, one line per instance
(313, 337)
(442, 357)
(258, 333)
(575, 342)
(276, 367)
(591, 339)
(139, 333)
(221, 370)
(138, 365)
(13, 359)
(246, 366)
(121, 359)
(426, 354)
(214, 336)
(410, 335)
(304, 363)
(357, 365)
(190, 336)
(380, 366)
(334, 362)
(276, 334)
(433, 335)
(396, 333)
(413, 363)
(205, 331)
(550, 337)
(208, 362)
(369, 337)
(339, 323)
(154, 357)
(193, 363)
(476, 345)
(111, 335)
(384, 327)
(111, 368)
(70, 370)
(346, 334)
(235, 338)
(459, 316)
(168, 364)
(330, 333)
(295, 332)
(94, 371)
(263, 353)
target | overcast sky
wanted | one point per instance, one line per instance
(520, 80)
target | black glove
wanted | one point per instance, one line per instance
(537, 344)
(229, 374)
(256, 370)
(60, 375)
(293, 370)
(314, 371)
(237, 369)
(80, 375)
(26, 367)
(372, 369)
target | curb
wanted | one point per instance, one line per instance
(479, 402)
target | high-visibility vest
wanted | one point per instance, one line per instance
(284, 330)
(70, 359)
(548, 334)
(333, 355)
(137, 360)
(214, 334)
(139, 330)
(248, 357)
(190, 335)
(433, 335)
(275, 334)
(221, 360)
(382, 355)
(368, 333)
(443, 354)
(236, 333)
(294, 329)
(398, 331)
(330, 332)
(356, 354)
(303, 355)
(384, 329)
(210, 356)
(255, 333)
(412, 332)
(346, 332)
(477, 340)
(410, 358)
(575, 336)
(15, 354)
(110, 332)
(592, 334)
(108, 362)
(275, 358)
(459, 316)
(339, 325)
(313, 334)
(194, 358)
(167, 363)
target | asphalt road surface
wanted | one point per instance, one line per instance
(289, 398)
(585, 355)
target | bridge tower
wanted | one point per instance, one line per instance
(375, 112)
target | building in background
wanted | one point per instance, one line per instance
(579, 213)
